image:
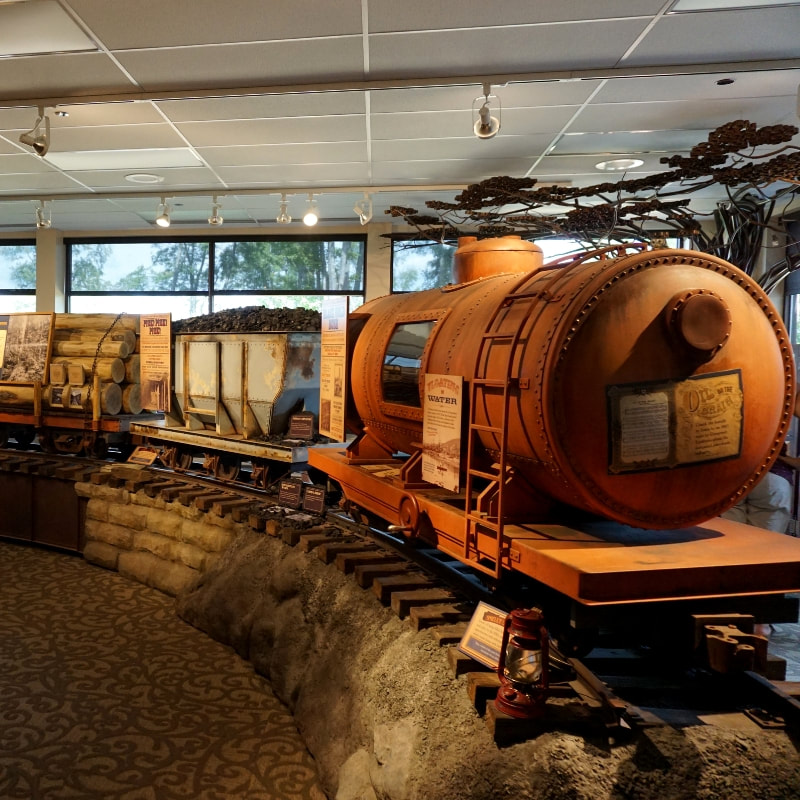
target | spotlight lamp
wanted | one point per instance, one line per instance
(283, 218)
(311, 217)
(36, 139)
(162, 214)
(43, 218)
(486, 126)
(216, 218)
(364, 209)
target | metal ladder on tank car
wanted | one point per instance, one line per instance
(476, 510)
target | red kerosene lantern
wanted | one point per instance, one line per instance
(523, 667)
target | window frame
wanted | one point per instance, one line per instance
(209, 293)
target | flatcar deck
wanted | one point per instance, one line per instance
(598, 564)
(231, 443)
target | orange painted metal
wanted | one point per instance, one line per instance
(595, 564)
(568, 339)
(481, 258)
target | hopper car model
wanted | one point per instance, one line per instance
(235, 396)
(612, 406)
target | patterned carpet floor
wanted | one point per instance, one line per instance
(105, 693)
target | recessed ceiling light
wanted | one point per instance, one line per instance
(144, 177)
(619, 164)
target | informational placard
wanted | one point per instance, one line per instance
(484, 635)
(314, 499)
(301, 426)
(155, 351)
(441, 430)
(26, 342)
(333, 368)
(289, 492)
(675, 423)
(143, 456)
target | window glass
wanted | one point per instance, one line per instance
(18, 266)
(287, 265)
(427, 265)
(139, 267)
(195, 276)
(225, 301)
(402, 362)
(417, 265)
(180, 306)
(17, 277)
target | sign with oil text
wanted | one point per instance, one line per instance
(155, 351)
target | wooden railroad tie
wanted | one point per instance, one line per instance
(366, 574)
(384, 586)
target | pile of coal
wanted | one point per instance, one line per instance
(251, 319)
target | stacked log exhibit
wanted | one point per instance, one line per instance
(89, 345)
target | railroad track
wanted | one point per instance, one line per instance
(615, 690)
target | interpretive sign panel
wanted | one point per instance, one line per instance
(25, 341)
(674, 423)
(333, 368)
(289, 492)
(314, 499)
(441, 430)
(156, 361)
(484, 635)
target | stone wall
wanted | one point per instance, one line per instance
(160, 544)
(376, 701)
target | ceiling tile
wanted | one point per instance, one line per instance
(311, 104)
(279, 131)
(555, 47)
(324, 61)
(60, 76)
(155, 23)
(709, 36)
(424, 15)
(274, 154)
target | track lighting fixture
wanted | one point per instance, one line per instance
(43, 219)
(36, 139)
(364, 209)
(284, 218)
(216, 218)
(486, 126)
(311, 217)
(162, 214)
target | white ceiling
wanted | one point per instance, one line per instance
(247, 99)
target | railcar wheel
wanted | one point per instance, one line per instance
(177, 459)
(260, 474)
(228, 467)
(46, 442)
(184, 459)
(409, 516)
(23, 436)
(98, 448)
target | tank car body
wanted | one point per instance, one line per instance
(614, 405)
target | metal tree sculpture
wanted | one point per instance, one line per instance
(738, 155)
